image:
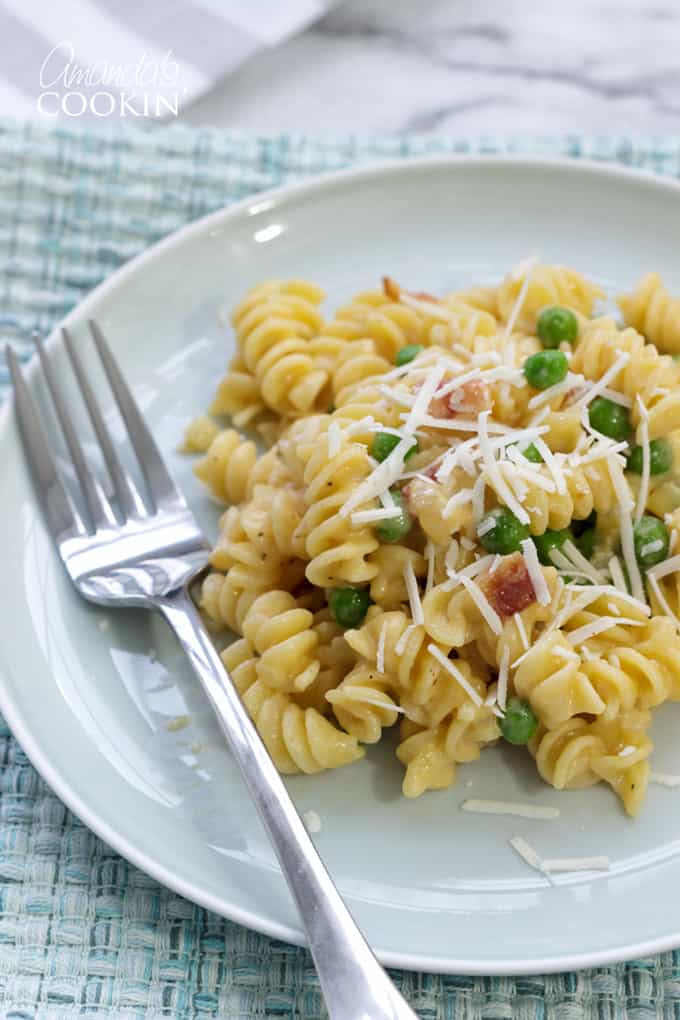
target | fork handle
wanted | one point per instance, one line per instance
(354, 984)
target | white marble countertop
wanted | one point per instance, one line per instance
(464, 67)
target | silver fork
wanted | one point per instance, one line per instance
(144, 549)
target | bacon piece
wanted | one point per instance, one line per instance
(466, 400)
(509, 589)
(393, 291)
(470, 398)
(391, 288)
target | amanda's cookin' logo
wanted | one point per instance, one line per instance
(148, 87)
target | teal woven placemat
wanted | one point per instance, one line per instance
(82, 932)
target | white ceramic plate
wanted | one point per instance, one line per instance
(432, 887)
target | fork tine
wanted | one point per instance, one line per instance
(159, 483)
(96, 511)
(59, 510)
(126, 491)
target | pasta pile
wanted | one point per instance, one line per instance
(463, 526)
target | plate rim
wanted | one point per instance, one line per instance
(49, 770)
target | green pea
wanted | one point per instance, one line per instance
(408, 353)
(331, 408)
(660, 458)
(609, 418)
(519, 723)
(385, 442)
(393, 529)
(650, 531)
(532, 454)
(585, 542)
(546, 369)
(505, 535)
(349, 606)
(557, 325)
(548, 541)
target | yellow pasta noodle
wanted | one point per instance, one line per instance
(298, 739)
(651, 310)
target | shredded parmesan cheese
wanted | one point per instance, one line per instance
(663, 602)
(534, 570)
(553, 865)
(484, 527)
(664, 779)
(617, 575)
(413, 594)
(526, 852)
(401, 643)
(312, 822)
(379, 514)
(494, 473)
(429, 557)
(478, 491)
(482, 603)
(521, 630)
(578, 559)
(362, 697)
(458, 499)
(380, 651)
(517, 810)
(669, 566)
(626, 528)
(525, 268)
(334, 439)
(603, 382)
(553, 465)
(581, 634)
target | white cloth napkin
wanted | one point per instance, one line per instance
(56, 56)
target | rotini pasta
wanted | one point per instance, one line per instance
(465, 525)
(651, 310)
(298, 739)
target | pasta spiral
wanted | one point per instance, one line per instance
(548, 285)
(362, 704)
(653, 377)
(465, 324)
(273, 325)
(580, 753)
(242, 572)
(358, 363)
(554, 684)
(283, 635)
(298, 739)
(337, 551)
(238, 395)
(388, 587)
(651, 310)
(336, 659)
(430, 755)
(408, 663)
(227, 465)
(199, 434)
(587, 488)
(389, 324)
(272, 519)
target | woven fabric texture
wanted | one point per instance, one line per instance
(82, 932)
